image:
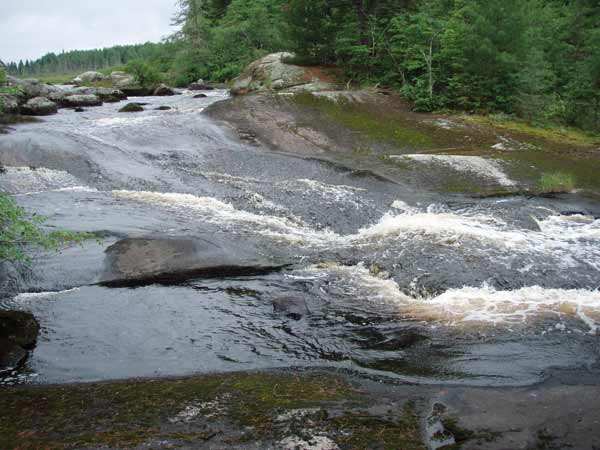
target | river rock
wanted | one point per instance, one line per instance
(105, 94)
(121, 79)
(10, 103)
(200, 87)
(293, 307)
(72, 101)
(131, 107)
(271, 72)
(31, 88)
(163, 108)
(18, 333)
(200, 96)
(163, 91)
(89, 77)
(145, 261)
(39, 106)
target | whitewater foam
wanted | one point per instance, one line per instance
(473, 164)
(25, 180)
(482, 305)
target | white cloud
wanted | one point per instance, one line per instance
(32, 28)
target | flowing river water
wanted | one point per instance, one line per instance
(378, 278)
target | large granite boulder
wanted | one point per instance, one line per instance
(163, 91)
(80, 100)
(108, 95)
(39, 106)
(18, 334)
(89, 77)
(121, 79)
(32, 88)
(146, 261)
(271, 72)
(126, 83)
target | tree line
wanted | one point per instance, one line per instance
(82, 60)
(536, 59)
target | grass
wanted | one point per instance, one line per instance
(556, 182)
(551, 133)
(372, 124)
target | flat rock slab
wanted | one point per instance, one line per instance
(170, 261)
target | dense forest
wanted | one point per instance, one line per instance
(81, 60)
(536, 59)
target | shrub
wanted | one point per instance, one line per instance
(145, 75)
(2, 77)
(556, 182)
(17, 231)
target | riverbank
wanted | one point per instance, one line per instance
(378, 283)
(375, 130)
(295, 410)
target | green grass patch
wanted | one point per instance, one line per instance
(556, 182)
(556, 134)
(368, 122)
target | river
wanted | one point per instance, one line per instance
(375, 277)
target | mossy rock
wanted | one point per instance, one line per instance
(131, 107)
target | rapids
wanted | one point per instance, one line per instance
(394, 282)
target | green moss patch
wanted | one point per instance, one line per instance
(371, 123)
(231, 408)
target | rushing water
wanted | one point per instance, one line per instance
(383, 280)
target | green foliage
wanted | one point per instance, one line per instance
(2, 77)
(556, 182)
(145, 74)
(18, 231)
(77, 61)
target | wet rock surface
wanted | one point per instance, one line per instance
(18, 334)
(308, 410)
(131, 107)
(39, 106)
(418, 291)
(145, 261)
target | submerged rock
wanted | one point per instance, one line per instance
(200, 96)
(131, 107)
(168, 261)
(39, 106)
(293, 307)
(163, 108)
(18, 333)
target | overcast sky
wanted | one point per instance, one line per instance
(32, 28)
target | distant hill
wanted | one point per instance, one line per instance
(82, 60)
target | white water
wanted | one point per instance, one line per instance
(24, 180)
(481, 305)
(473, 164)
(570, 240)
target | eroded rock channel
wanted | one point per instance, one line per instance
(221, 254)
